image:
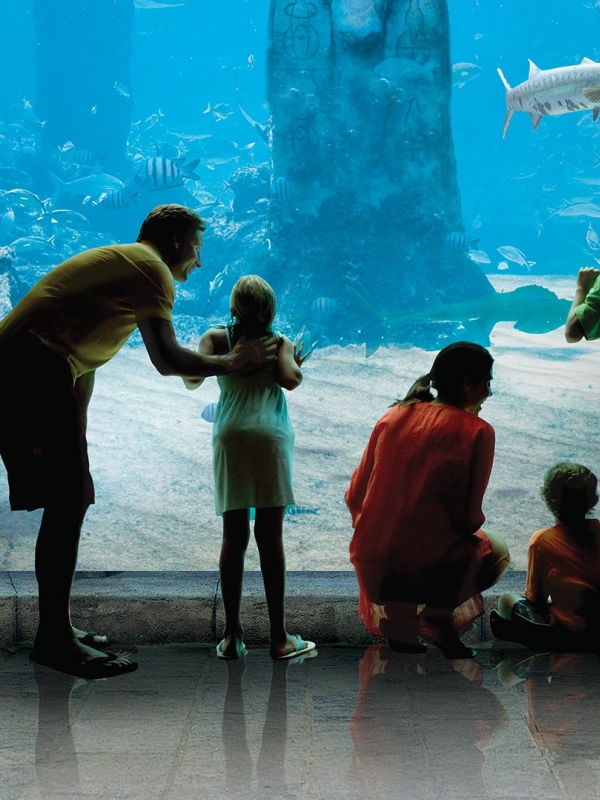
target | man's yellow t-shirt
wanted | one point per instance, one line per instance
(86, 308)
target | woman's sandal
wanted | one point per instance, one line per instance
(448, 641)
(414, 648)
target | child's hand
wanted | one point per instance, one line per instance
(299, 355)
(586, 278)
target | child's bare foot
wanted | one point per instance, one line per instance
(291, 647)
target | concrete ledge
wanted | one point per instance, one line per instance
(169, 607)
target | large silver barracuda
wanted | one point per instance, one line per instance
(549, 92)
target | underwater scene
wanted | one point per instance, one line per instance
(404, 173)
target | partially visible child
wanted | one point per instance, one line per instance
(583, 320)
(253, 447)
(561, 607)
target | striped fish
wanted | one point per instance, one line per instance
(325, 305)
(208, 412)
(459, 242)
(282, 189)
(550, 92)
(118, 198)
(165, 173)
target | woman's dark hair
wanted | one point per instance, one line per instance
(165, 222)
(447, 375)
(570, 491)
(253, 305)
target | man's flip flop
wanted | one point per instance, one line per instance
(96, 640)
(94, 669)
(299, 651)
(241, 652)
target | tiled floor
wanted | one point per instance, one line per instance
(344, 724)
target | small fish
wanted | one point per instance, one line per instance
(142, 4)
(325, 305)
(208, 412)
(294, 511)
(118, 198)
(165, 173)
(460, 242)
(66, 217)
(251, 60)
(463, 72)
(81, 157)
(32, 244)
(503, 265)
(262, 130)
(479, 256)
(12, 177)
(513, 254)
(90, 186)
(121, 89)
(282, 189)
(592, 238)
(24, 200)
(578, 210)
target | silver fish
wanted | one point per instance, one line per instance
(513, 254)
(592, 238)
(549, 92)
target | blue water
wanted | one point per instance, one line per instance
(191, 67)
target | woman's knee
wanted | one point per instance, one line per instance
(497, 562)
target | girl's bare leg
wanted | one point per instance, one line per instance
(236, 534)
(268, 532)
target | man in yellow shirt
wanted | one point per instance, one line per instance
(71, 322)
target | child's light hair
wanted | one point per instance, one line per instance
(253, 305)
(570, 491)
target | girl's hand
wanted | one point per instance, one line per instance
(299, 355)
(586, 278)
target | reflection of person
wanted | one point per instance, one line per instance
(72, 321)
(415, 501)
(253, 447)
(583, 320)
(412, 737)
(561, 607)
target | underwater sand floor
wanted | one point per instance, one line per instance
(150, 452)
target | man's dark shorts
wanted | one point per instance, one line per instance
(42, 430)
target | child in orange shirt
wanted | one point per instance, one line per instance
(561, 607)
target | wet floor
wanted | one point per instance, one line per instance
(347, 723)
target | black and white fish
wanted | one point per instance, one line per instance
(165, 173)
(550, 92)
(118, 198)
(324, 306)
(82, 157)
(282, 189)
(208, 412)
(460, 242)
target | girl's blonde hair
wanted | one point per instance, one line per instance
(570, 491)
(253, 305)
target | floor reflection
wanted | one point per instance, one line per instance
(349, 724)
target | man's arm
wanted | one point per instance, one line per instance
(84, 386)
(170, 358)
(574, 331)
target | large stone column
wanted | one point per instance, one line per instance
(365, 187)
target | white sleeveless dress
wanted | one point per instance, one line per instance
(253, 442)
